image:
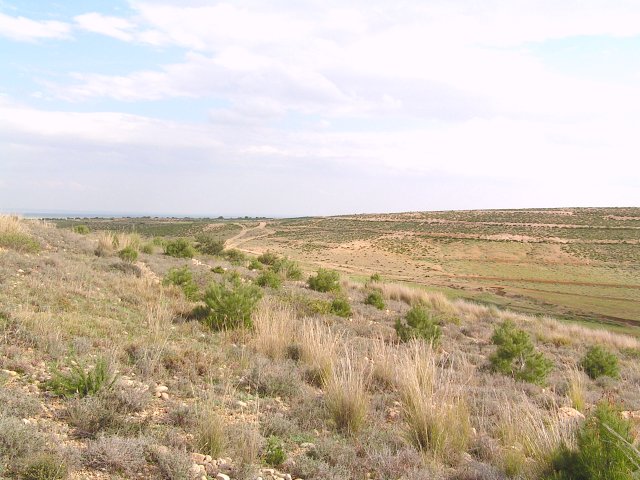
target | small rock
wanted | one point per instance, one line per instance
(164, 396)
(162, 388)
(198, 458)
(222, 476)
(241, 404)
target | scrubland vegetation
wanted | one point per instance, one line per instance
(182, 362)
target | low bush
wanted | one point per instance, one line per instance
(268, 258)
(375, 277)
(269, 278)
(218, 269)
(183, 278)
(235, 256)
(81, 382)
(209, 245)
(340, 306)
(375, 299)
(516, 355)
(81, 229)
(17, 441)
(46, 467)
(209, 435)
(173, 464)
(287, 268)
(127, 268)
(179, 248)
(255, 265)
(324, 281)
(600, 362)
(604, 449)
(128, 254)
(20, 242)
(92, 415)
(229, 304)
(116, 454)
(274, 454)
(418, 323)
(147, 248)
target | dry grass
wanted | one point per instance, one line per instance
(346, 393)
(435, 409)
(319, 346)
(576, 389)
(15, 235)
(384, 359)
(209, 436)
(274, 324)
(413, 296)
(11, 224)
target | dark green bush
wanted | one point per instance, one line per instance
(235, 256)
(418, 323)
(82, 382)
(325, 281)
(218, 269)
(128, 254)
(340, 306)
(604, 450)
(183, 278)
(274, 454)
(288, 269)
(81, 229)
(229, 304)
(516, 355)
(375, 299)
(209, 245)
(270, 279)
(45, 467)
(179, 248)
(20, 242)
(599, 362)
(268, 258)
(375, 277)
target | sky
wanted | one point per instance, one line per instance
(309, 107)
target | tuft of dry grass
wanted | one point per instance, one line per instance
(274, 328)
(105, 246)
(15, 235)
(576, 389)
(319, 346)
(433, 403)
(209, 435)
(346, 394)
(384, 358)
(414, 296)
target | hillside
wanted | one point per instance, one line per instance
(118, 360)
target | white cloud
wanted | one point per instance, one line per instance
(26, 30)
(110, 26)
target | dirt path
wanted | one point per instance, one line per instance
(239, 239)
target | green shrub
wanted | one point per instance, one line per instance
(81, 229)
(599, 362)
(159, 241)
(516, 355)
(274, 454)
(375, 277)
(235, 256)
(340, 306)
(147, 248)
(604, 449)
(268, 258)
(418, 323)
(179, 248)
(82, 382)
(46, 467)
(325, 281)
(218, 269)
(20, 242)
(287, 268)
(209, 245)
(128, 254)
(183, 278)
(375, 299)
(254, 265)
(270, 279)
(229, 304)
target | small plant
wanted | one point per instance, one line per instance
(375, 277)
(235, 256)
(229, 304)
(516, 355)
(604, 449)
(274, 454)
(268, 258)
(82, 382)
(269, 278)
(179, 248)
(147, 248)
(218, 269)
(128, 254)
(418, 323)
(209, 435)
(209, 245)
(287, 268)
(346, 394)
(81, 229)
(340, 306)
(183, 278)
(45, 467)
(325, 281)
(599, 362)
(255, 265)
(375, 299)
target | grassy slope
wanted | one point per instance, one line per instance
(238, 389)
